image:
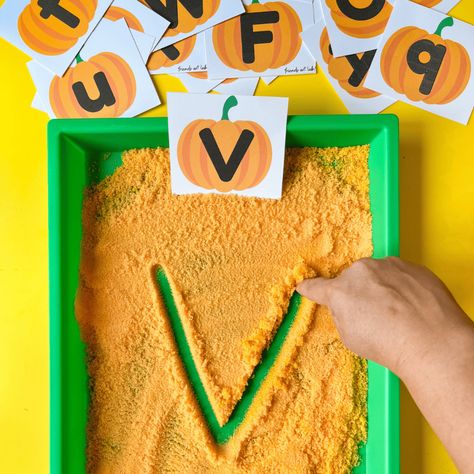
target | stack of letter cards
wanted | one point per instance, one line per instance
(95, 58)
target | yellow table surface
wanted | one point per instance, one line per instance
(437, 229)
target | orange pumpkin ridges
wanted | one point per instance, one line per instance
(452, 74)
(116, 13)
(341, 70)
(427, 3)
(52, 36)
(197, 165)
(183, 49)
(120, 79)
(282, 50)
(187, 23)
(366, 28)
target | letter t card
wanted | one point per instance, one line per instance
(227, 144)
(50, 31)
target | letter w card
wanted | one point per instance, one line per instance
(426, 58)
(227, 144)
(50, 31)
(108, 79)
(264, 41)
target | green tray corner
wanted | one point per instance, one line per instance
(76, 151)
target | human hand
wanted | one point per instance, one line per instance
(390, 311)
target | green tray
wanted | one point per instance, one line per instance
(76, 151)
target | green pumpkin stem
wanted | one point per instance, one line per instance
(448, 21)
(255, 2)
(79, 59)
(229, 103)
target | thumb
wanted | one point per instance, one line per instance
(316, 289)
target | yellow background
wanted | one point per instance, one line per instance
(437, 229)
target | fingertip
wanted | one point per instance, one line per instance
(315, 289)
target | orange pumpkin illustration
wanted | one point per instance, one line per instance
(360, 18)
(199, 167)
(116, 13)
(186, 21)
(341, 69)
(116, 77)
(425, 67)
(428, 3)
(285, 46)
(176, 54)
(54, 31)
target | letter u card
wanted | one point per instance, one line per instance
(227, 144)
(50, 31)
(425, 59)
(264, 41)
(347, 74)
(108, 79)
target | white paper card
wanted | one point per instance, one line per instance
(425, 59)
(187, 56)
(197, 82)
(269, 42)
(138, 18)
(346, 74)
(245, 86)
(442, 6)
(48, 31)
(190, 17)
(353, 30)
(211, 153)
(144, 43)
(111, 80)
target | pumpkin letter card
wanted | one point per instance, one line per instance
(263, 41)
(347, 74)
(188, 17)
(425, 59)
(107, 79)
(227, 144)
(357, 25)
(50, 31)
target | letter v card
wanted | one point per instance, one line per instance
(346, 73)
(108, 79)
(264, 41)
(50, 31)
(425, 59)
(227, 144)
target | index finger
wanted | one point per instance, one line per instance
(316, 289)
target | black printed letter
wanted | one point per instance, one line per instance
(52, 7)
(171, 52)
(360, 66)
(170, 10)
(429, 68)
(106, 96)
(365, 13)
(225, 170)
(250, 37)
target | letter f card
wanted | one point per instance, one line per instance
(227, 144)
(425, 59)
(108, 78)
(50, 31)
(263, 41)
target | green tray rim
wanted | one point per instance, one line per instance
(385, 457)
